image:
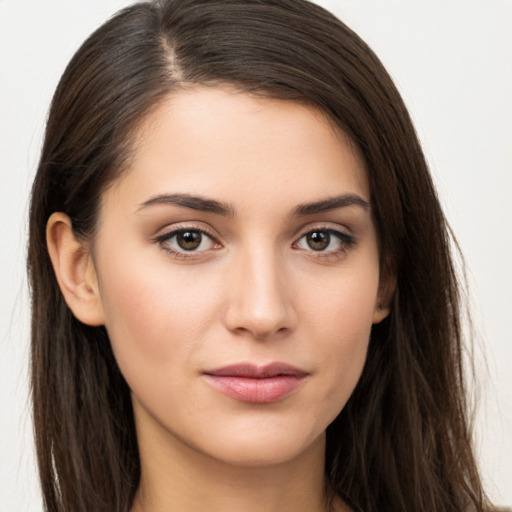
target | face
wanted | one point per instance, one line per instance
(238, 273)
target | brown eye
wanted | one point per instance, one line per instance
(189, 240)
(325, 242)
(318, 240)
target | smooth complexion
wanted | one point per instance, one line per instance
(236, 270)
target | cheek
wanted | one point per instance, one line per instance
(154, 320)
(343, 305)
(341, 319)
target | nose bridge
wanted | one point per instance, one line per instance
(259, 299)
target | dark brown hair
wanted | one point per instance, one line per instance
(402, 442)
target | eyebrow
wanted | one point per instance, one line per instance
(212, 206)
(189, 201)
(331, 203)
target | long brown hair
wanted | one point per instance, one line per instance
(402, 442)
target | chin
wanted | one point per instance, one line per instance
(265, 448)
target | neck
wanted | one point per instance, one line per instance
(175, 477)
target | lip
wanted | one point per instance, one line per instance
(256, 384)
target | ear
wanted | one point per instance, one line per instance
(74, 269)
(385, 293)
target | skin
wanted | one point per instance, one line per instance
(255, 290)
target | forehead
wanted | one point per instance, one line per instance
(223, 143)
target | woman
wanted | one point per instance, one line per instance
(243, 294)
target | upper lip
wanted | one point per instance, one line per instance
(253, 371)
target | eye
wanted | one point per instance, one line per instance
(188, 240)
(185, 241)
(324, 240)
(318, 240)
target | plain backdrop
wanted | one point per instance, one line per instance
(452, 61)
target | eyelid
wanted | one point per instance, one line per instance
(345, 236)
(347, 240)
(324, 226)
(170, 231)
(184, 226)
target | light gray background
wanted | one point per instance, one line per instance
(452, 60)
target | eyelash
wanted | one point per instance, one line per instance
(346, 241)
(164, 238)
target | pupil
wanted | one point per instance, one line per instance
(189, 240)
(318, 240)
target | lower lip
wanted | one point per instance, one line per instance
(256, 391)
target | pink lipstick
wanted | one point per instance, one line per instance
(256, 384)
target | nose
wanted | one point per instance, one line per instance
(260, 300)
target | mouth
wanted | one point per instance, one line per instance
(256, 384)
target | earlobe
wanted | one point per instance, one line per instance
(384, 298)
(380, 313)
(74, 268)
